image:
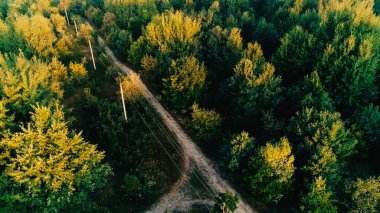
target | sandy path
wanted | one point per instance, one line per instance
(190, 150)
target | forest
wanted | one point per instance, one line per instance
(283, 95)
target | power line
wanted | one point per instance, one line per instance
(166, 134)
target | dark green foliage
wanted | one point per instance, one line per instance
(296, 55)
(267, 36)
(241, 148)
(132, 15)
(225, 202)
(3, 9)
(368, 121)
(131, 185)
(223, 50)
(120, 40)
(254, 84)
(325, 142)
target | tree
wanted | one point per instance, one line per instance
(324, 142)
(132, 15)
(319, 199)
(47, 167)
(78, 70)
(120, 40)
(27, 82)
(170, 34)
(223, 50)
(95, 16)
(267, 36)
(38, 33)
(6, 120)
(368, 122)
(254, 86)
(366, 195)
(131, 88)
(316, 96)
(3, 9)
(225, 203)
(296, 55)
(349, 61)
(85, 32)
(186, 80)
(241, 147)
(272, 168)
(206, 123)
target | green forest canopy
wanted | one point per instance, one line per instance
(262, 86)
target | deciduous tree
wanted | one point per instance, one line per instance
(272, 168)
(47, 167)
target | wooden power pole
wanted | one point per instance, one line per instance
(92, 54)
(122, 99)
(76, 28)
(67, 18)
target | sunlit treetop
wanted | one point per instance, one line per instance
(173, 29)
(38, 33)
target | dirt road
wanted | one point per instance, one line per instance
(192, 155)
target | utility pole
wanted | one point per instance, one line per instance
(122, 98)
(92, 55)
(76, 28)
(67, 18)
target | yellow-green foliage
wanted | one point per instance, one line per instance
(241, 147)
(254, 67)
(206, 123)
(6, 120)
(319, 199)
(172, 31)
(273, 169)
(366, 195)
(78, 71)
(47, 166)
(38, 33)
(124, 2)
(184, 85)
(25, 82)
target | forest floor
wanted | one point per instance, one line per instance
(199, 172)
